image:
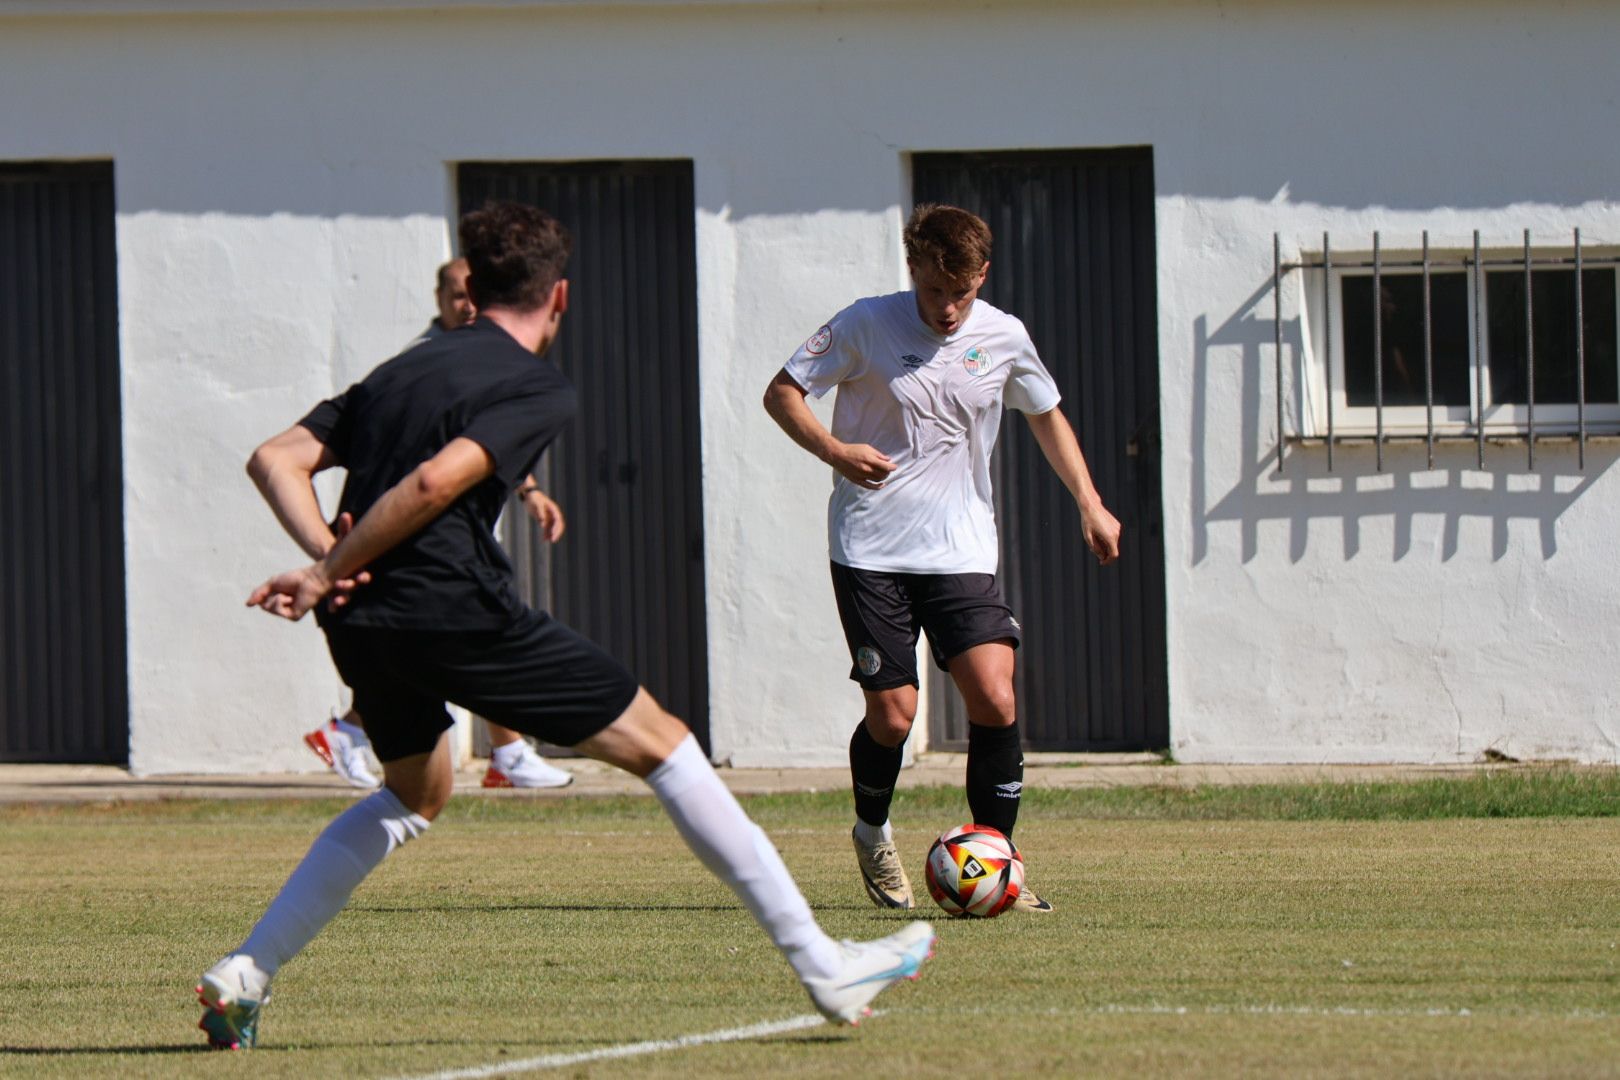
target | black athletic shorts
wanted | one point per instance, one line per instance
(882, 613)
(536, 675)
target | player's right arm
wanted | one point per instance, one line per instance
(283, 469)
(859, 463)
(402, 511)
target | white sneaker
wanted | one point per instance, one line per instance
(527, 770)
(347, 758)
(232, 993)
(871, 967)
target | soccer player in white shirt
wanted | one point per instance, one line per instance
(922, 377)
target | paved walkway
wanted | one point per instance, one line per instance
(102, 783)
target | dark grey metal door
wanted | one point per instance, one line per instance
(629, 572)
(63, 680)
(1074, 258)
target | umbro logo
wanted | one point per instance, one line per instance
(912, 361)
(1011, 790)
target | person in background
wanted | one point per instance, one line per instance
(341, 742)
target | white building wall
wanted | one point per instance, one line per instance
(284, 186)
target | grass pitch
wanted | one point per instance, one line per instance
(1449, 928)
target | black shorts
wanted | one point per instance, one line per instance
(536, 675)
(882, 613)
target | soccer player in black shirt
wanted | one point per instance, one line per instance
(418, 606)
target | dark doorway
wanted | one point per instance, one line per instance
(63, 681)
(629, 572)
(1074, 258)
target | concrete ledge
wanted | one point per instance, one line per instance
(105, 783)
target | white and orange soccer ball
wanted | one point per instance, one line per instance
(974, 870)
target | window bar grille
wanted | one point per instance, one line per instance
(1378, 351)
(1529, 360)
(1580, 359)
(1276, 324)
(1479, 353)
(1475, 263)
(1327, 339)
(1428, 353)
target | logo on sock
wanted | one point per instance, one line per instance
(1010, 790)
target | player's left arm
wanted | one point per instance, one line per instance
(403, 510)
(1062, 450)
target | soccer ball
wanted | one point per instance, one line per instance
(973, 870)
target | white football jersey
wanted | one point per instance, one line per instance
(933, 405)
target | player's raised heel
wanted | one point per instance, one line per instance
(882, 873)
(871, 967)
(233, 993)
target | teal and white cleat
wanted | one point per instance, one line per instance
(871, 967)
(233, 992)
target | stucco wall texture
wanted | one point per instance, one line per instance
(284, 192)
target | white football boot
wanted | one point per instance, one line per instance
(871, 967)
(232, 993)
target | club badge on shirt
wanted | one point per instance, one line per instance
(977, 361)
(819, 342)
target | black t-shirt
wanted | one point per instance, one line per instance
(474, 382)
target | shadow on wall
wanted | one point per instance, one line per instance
(1455, 489)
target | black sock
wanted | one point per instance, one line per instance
(875, 769)
(995, 776)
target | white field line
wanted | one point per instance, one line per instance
(1272, 1010)
(799, 1023)
(624, 1050)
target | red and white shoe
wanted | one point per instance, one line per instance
(518, 766)
(334, 746)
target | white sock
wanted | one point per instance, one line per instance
(874, 834)
(504, 757)
(739, 853)
(340, 858)
(355, 732)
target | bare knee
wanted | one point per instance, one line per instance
(428, 804)
(889, 715)
(641, 738)
(422, 783)
(992, 705)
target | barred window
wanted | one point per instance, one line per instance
(1446, 344)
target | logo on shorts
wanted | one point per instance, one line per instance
(819, 342)
(867, 659)
(1016, 624)
(977, 361)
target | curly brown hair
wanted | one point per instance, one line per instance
(947, 239)
(516, 254)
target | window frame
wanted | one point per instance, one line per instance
(1501, 419)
